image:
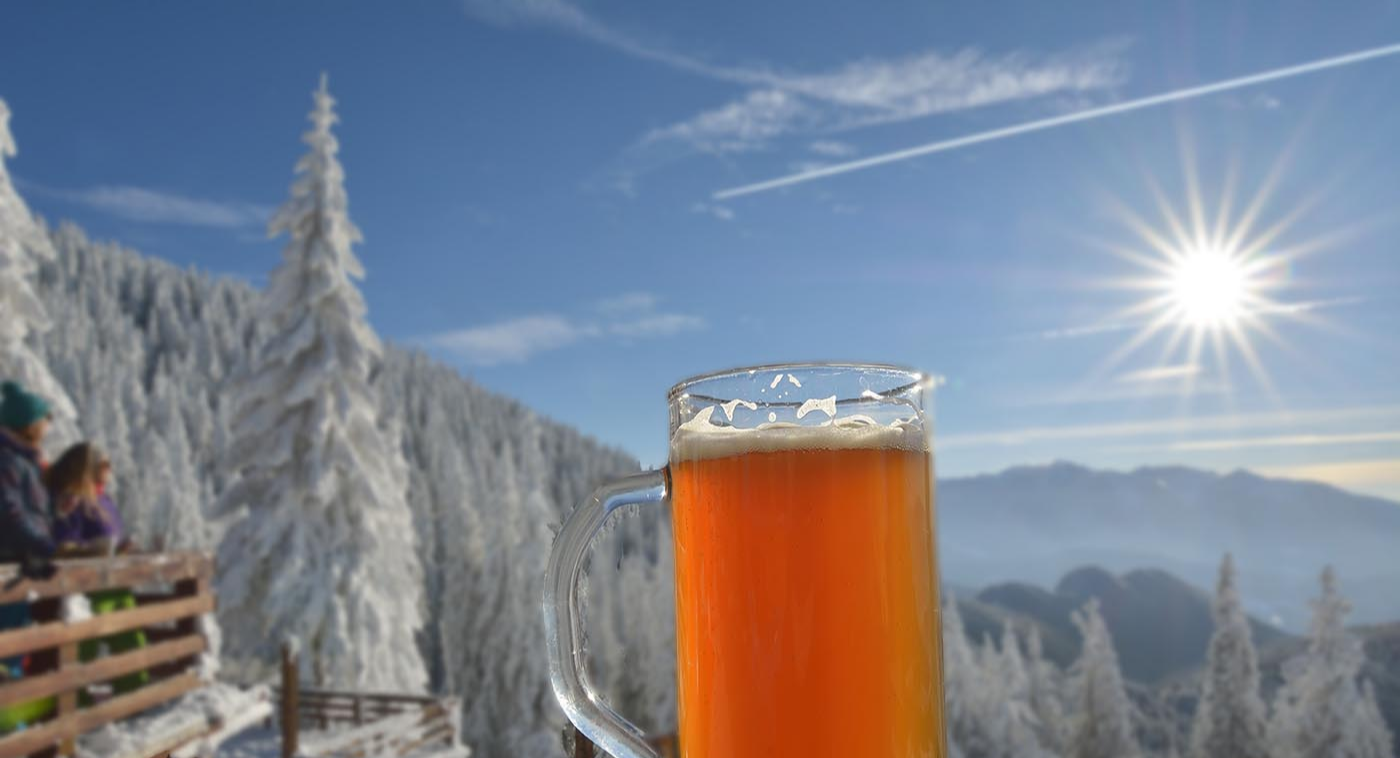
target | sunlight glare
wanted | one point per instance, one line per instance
(1209, 288)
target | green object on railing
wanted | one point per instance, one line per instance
(108, 601)
(21, 715)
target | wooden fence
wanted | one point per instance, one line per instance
(173, 592)
(666, 746)
(395, 724)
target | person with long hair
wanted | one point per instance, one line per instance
(85, 518)
(86, 523)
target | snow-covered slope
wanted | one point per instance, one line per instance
(146, 349)
(1035, 523)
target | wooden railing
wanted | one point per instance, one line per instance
(360, 723)
(665, 745)
(173, 591)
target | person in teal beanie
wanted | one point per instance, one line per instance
(26, 524)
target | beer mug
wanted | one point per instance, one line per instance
(807, 610)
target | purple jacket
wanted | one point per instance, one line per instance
(86, 523)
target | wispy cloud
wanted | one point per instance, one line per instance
(741, 125)
(568, 18)
(1102, 393)
(1161, 373)
(1054, 122)
(1377, 476)
(1165, 426)
(833, 148)
(1282, 440)
(629, 302)
(157, 207)
(657, 325)
(721, 212)
(626, 318)
(1111, 327)
(511, 341)
(859, 93)
(874, 91)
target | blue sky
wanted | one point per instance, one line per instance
(535, 182)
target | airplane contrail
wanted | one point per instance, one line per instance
(1069, 118)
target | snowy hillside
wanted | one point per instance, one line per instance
(146, 350)
(1035, 523)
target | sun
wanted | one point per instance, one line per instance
(1212, 285)
(1211, 288)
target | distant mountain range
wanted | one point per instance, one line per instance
(1036, 523)
(1161, 628)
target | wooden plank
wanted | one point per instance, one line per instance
(368, 696)
(67, 700)
(187, 588)
(51, 733)
(437, 732)
(290, 691)
(101, 670)
(90, 574)
(51, 635)
(583, 748)
(348, 707)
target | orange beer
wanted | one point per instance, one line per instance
(806, 594)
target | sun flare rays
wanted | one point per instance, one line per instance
(1211, 281)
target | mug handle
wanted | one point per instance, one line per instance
(563, 623)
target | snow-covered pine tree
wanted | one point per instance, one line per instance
(1230, 717)
(323, 549)
(1009, 705)
(1373, 737)
(1320, 711)
(23, 245)
(1102, 721)
(108, 349)
(640, 636)
(1043, 688)
(964, 687)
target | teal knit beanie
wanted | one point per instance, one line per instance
(19, 408)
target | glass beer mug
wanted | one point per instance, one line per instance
(807, 610)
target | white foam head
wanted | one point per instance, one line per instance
(701, 438)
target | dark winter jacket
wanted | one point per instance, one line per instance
(26, 526)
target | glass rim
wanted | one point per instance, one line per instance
(916, 377)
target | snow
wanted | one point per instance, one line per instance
(24, 244)
(1322, 710)
(76, 608)
(195, 723)
(323, 548)
(1102, 725)
(1230, 718)
(379, 735)
(328, 742)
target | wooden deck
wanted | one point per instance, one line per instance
(173, 592)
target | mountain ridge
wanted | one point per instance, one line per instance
(1034, 523)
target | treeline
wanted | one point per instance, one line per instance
(1007, 701)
